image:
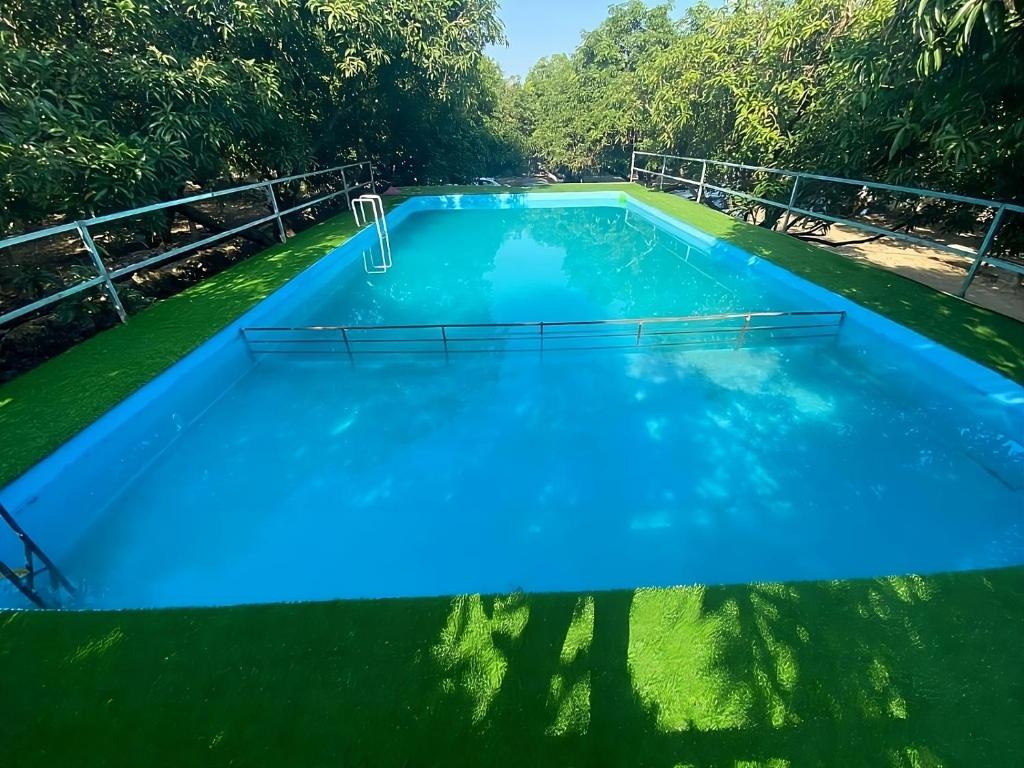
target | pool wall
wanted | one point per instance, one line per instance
(84, 474)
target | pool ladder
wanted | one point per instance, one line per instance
(24, 579)
(376, 206)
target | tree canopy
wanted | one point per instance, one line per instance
(921, 93)
(106, 104)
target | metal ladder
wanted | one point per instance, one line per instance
(377, 209)
(25, 580)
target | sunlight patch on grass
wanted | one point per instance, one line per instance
(581, 630)
(467, 650)
(569, 692)
(674, 650)
(917, 757)
(571, 701)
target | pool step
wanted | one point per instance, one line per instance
(733, 331)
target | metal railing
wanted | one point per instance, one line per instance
(106, 277)
(734, 329)
(978, 258)
(25, 582)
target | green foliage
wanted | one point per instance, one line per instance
(105, 104)
(925, 94)
(588, 109)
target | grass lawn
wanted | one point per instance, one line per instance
(915, 672)
(905, 671)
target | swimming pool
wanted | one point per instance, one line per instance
(239, 477)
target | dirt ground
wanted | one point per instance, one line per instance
(996, 289)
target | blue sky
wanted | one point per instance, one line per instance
(537, 28)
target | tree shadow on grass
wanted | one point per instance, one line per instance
(910, 671)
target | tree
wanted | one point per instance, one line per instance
(588, 108)
(106, 104)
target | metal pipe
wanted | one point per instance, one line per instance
(277, 212)
(882, 231)
(348, 347)
(107, 277)
(167, 255)
(792, 202)
(838, 314)
(855, 182)
(14, 314)
(83, 232)
(997, 221)
(703, 176)
(826, 322)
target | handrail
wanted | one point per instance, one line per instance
(978, 257)
(381, 338)
(841, 180)
(106, 277)
(26, 583)
(380, 223)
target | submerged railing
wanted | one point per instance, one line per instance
(37, 563)
(734, 330)
(105, 277)
(980, 256)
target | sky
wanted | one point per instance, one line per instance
(537, 28)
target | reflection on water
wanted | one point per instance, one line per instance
(536, 264)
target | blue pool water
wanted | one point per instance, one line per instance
(297, 477)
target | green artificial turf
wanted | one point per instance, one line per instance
(916, 672)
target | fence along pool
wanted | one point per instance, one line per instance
(982, 254)
(105, 276)
(735, 330)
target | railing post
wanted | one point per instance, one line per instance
(661, 179)
(632, 168)
(272, 198)
(743, 332)
(348, 346)
(993, 229)
(369, 164)
(703, 176)
(83, 232)
(792, 202)
(344, 183)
